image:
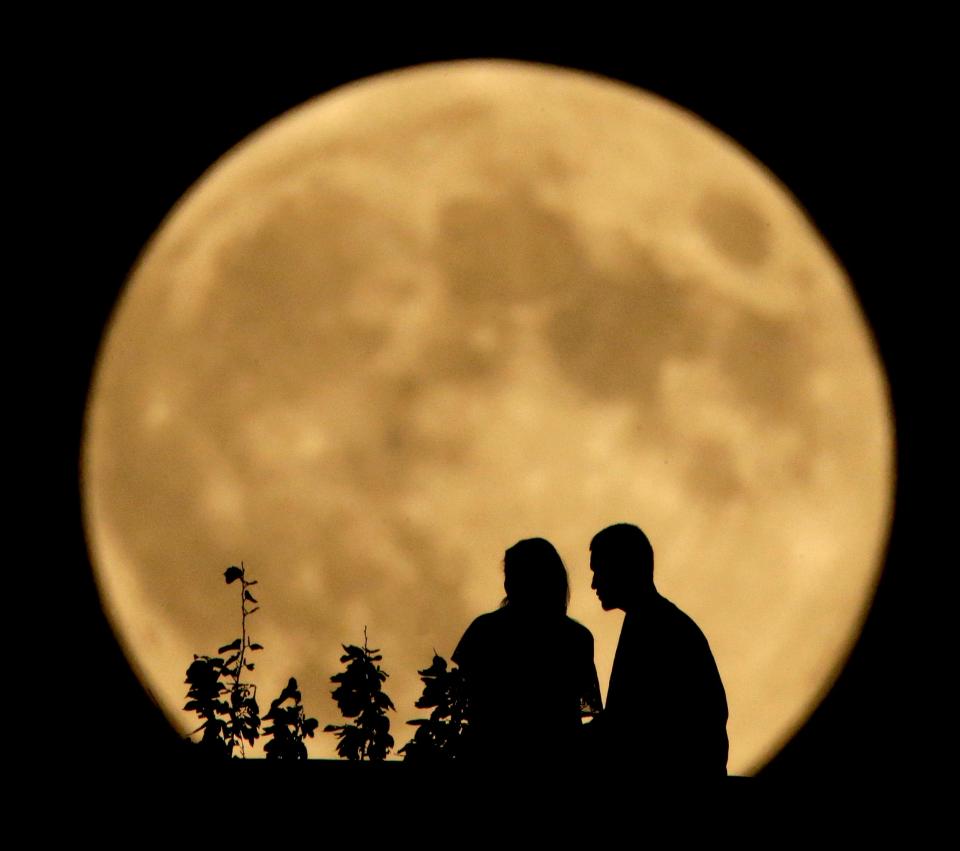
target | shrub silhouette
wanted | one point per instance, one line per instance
(441, 736)
(359, 694)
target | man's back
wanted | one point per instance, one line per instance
(666, 706)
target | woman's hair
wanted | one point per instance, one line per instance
(534, 577)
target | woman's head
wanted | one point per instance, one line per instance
(534, 577)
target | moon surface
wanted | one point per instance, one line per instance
(439, 310)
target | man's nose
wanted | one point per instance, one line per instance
(593, 582)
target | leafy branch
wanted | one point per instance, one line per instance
(439, 737)
(360, 695)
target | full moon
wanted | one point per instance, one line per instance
(436, 311)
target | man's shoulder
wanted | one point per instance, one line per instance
(678, 619)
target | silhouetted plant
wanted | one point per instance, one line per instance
(289, 726)
(204, 698)
(228, 705)
(360, 695)
(439, 737)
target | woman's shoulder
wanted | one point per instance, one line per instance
(578, 631)
(478, 634)
(488, 620)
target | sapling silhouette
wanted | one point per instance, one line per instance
(231, 721)
(228, 705)
(360, 695)
(440, 737)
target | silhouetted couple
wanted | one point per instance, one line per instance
(532, 679)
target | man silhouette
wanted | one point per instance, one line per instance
(666, 707)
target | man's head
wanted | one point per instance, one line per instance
(621, 559)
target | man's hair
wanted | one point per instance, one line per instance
(624, 544)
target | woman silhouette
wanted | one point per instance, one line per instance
(528, 667)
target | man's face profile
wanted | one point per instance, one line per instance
(605, 581)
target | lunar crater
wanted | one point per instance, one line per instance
(736, 229)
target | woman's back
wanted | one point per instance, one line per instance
(529, 676)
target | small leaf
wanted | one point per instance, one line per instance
(248, 596)
(256, 646)
(232, 574)
(233, 645)
(249, 666)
